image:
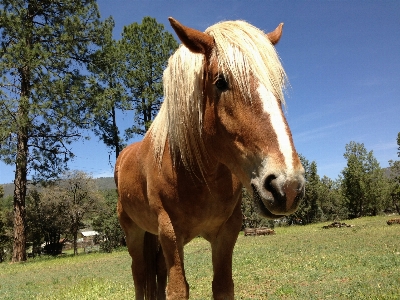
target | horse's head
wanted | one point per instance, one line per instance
(243, 125)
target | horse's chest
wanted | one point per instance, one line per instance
(203, 209)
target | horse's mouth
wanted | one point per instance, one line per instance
(262, 208)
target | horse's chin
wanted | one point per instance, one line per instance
(262, 208)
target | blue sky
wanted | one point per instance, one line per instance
(342, 59)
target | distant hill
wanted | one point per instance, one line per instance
(103, 183)
(8, 189)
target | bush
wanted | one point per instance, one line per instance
(6, 230)
(251, 217)
(107, 224)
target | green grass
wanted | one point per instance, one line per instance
(299, 262)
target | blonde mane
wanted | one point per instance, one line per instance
(243, 52)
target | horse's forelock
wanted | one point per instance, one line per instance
(242, 51)
(180, 116)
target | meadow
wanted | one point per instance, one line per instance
(299, 262)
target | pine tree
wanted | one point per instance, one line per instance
(354, 179)
(146, 48)
(398, 144)
(331, 200)
(127, 76)
(108, 93)
(309, 210)
(364, 186)
(45, 45)
(394, 179)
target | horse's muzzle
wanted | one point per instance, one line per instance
(277, 196)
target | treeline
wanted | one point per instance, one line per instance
(61, 209)
(362, 189)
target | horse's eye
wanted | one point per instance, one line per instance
(221, 84)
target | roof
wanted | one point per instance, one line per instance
(89, 233)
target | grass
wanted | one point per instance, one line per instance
(299, 262)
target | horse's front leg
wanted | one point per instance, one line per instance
(134, 241)
(172, 245)
(222, 250)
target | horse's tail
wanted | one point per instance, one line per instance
(156, 272)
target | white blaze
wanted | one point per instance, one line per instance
(272, 108)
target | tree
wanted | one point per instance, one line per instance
(364, 186)
(5, 227)
(251, 216)
(354, 179)
(46, 219)
(61, 208)
(106, 223)
(398, 144)
(145, 48)
(309, 210)
(44, 48)
(394, 179)
(378, 187)
(127, 75)
(331, 200)
(34, 221)
(108, 93)
(80, 199)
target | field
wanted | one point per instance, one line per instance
(299, 262)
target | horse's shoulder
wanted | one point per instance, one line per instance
(126, 157)
(129, 151)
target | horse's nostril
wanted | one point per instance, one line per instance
(270, 184)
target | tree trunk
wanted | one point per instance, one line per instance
(115, 132)
(75, 234)
(19, 251)
(21, 169)
(397, 207)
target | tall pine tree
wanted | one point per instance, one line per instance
(108, 93)
(45, 45)
(127, 76)
(394, 179)
(309, 210)
(364, 186)
(146, 48)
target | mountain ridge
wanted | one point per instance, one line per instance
(103, 183)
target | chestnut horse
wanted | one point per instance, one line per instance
(220, 127)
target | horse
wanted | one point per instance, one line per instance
(221, 127)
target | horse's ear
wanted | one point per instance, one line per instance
(196, 41)
(275, 35)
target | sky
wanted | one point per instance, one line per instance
(342, 59)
